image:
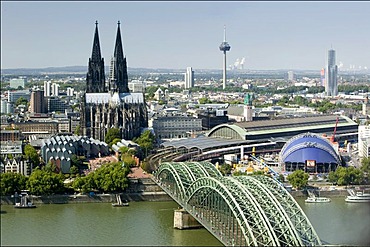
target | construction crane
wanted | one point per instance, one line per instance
(332, 138)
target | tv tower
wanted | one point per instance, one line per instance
(224, 47)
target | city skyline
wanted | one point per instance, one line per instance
(177, 35)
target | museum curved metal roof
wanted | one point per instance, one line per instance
(309, 146)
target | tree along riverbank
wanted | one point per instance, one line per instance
(145, 189)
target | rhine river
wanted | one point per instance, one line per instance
(151, 223)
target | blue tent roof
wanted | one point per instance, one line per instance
(309, 146)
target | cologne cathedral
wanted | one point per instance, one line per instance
(109, 103)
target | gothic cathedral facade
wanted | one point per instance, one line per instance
(108, 103)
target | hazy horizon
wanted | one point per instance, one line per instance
(176, 35)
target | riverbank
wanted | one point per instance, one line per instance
(145, 189)
(140, 189)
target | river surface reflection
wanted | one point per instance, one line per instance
(151, 223)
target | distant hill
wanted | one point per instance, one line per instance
(49, 70)
(78, 70)
(82, 70)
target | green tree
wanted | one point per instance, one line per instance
(76, 161)
(204, 100)
(113, 133)
(149, 91)
(111, 177)
(128, 160)
(301, 101)
(298, 179)
(12, 182)
(78, 130)
(127, 150)
(145, 165)
(346, 175)
(21, 101)
(50, 167)
(225, 169)
(145, 141)
(283, 101)
(31, 154)
(43, 182)
(83, 184)
(73, 170)
(281, 178)
(115, 141)
(365, 165)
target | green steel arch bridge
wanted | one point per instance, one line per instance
(241, 211)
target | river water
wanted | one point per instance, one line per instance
(151, 223)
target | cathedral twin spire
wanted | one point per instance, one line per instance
(96, 55)
(118, 78)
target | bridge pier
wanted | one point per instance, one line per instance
(184, 220)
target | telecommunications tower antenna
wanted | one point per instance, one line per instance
(224, 47)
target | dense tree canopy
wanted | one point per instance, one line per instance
(298, 179)
(346, 176)
(31, 154)
(21, 101)
(11, 183)
(365, 167)
(110, 177)
(113, 133)
(45, 182)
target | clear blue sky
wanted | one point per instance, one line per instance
(270, 35)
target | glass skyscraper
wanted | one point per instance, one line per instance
(331, 82)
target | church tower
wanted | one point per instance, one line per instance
(95, 77)
(248, 111)
(118, 72)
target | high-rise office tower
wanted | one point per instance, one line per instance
(47, 88)
(224, 47)
(37, 102)
(189, 78)
(331, 82)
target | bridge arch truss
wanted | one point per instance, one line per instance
(243, 211)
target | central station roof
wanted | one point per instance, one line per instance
(268, 128)
(243, 133)
(203, 142)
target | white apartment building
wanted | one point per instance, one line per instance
(47, 88)
(364, 141)
(55, 89)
